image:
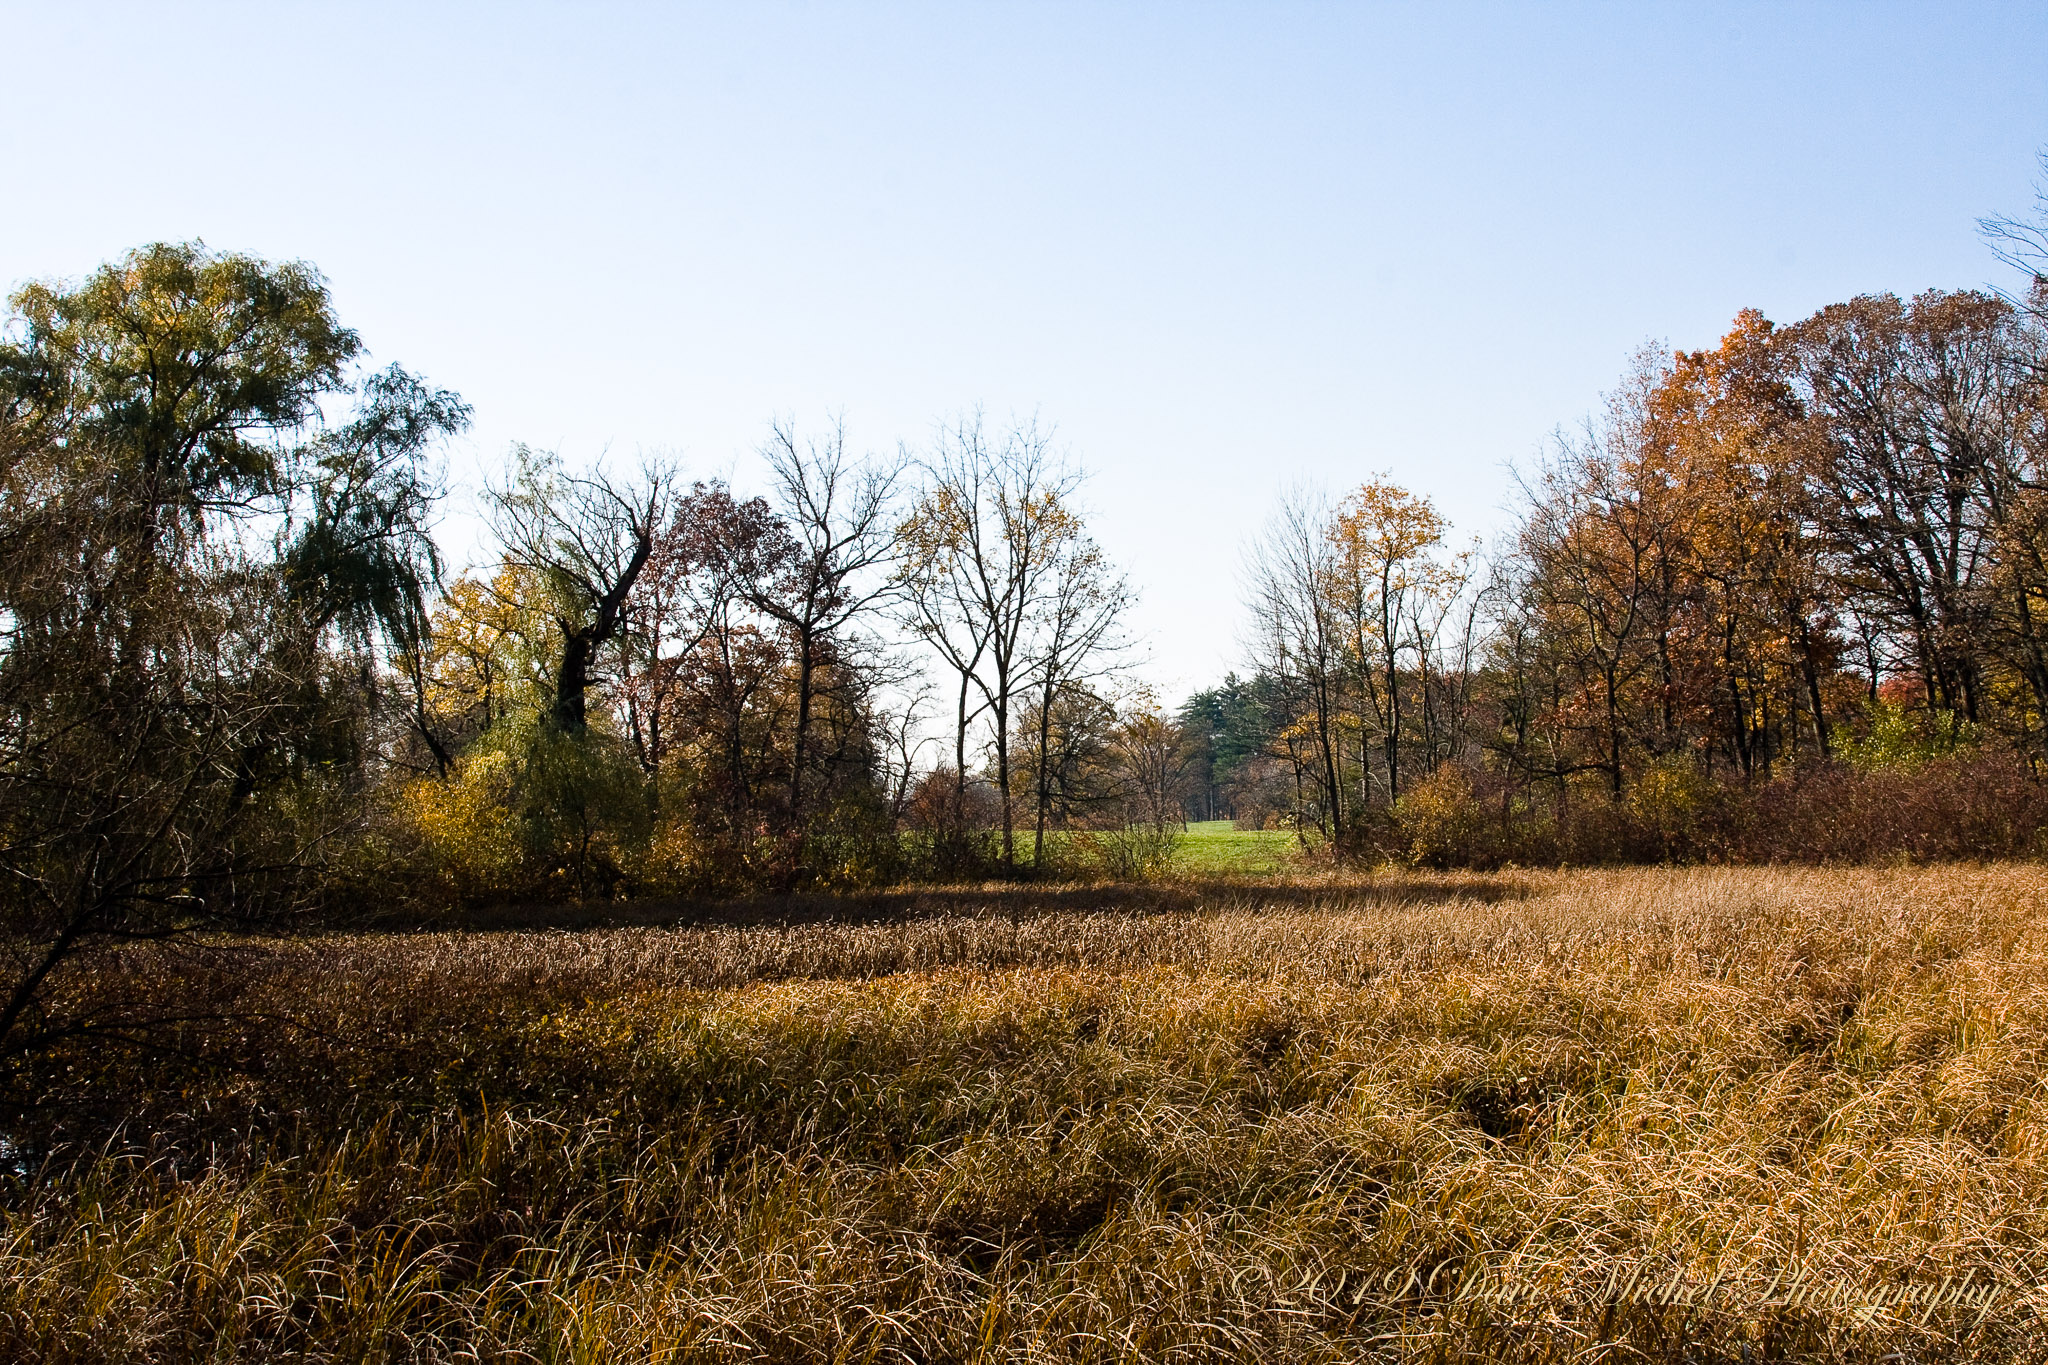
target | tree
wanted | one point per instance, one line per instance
(1083, 607)
(483, 657)
(842, 538)
(1299, 642)
(1151, 757)
(1073, 765)
(1382, 535)
(1594, 543)
(725, 705)
(979, 545)
(186, 552)
(584, 539)
(1737, 454)
(938, 599)
(2022, 243)
(1922, 425)
(1228, 727)
(364, 559)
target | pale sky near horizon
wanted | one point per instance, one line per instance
(1222, 248)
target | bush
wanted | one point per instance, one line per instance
(1903, 738)
(852, 846)
(469, 837)
(530, 811)
(1964, 806)
(1134, 853)
(1673, 805)
(1967, 806)
(583, 805)
(1441, 824)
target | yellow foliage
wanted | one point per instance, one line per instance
(1670, 797)
(488, 639)
(1441, 819)
(674, 862)
(467, 823)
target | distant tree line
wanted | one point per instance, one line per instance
(1807, 549)
(238, 685)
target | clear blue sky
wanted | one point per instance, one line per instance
(1221, 247)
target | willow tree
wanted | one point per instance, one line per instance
(193, 561)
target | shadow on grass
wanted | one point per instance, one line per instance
(994, 900)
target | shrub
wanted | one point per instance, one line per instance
(583, 808)
(1963, 806)
(1135, 853)
(852, 846)
(1672, 804)
(469, 837)
(530, 811)
(1440, 823)
(1901, 737)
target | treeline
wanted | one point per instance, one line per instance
(238, 683)
(1800, 575)
(671, 688)
(1769, 580)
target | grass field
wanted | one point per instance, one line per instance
(1213, 848)
(1207, 849)
(1669, 1115)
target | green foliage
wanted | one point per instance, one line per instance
(582, 805)
(1231, 725)
(530, 811)
(851, 845)
(1902, 737)
(196, 369)
(201, 548)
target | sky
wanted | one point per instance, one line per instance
(1221, 249)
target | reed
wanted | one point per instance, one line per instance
(1649, 1114)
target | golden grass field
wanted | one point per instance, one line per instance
(1620, 1115)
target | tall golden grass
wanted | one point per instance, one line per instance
(1664, 1114)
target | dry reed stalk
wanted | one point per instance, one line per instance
(1219, 1124)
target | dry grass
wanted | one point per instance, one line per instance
(1178, 1123)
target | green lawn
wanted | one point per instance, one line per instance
(1211, 847)
(1208, 848)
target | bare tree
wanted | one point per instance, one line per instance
(840, 516)
(1299, 641)
(1083, 607)
(1152, 759)
(2022, 243)
(1591, 547)
(979, 546)
(900, 745)
(586, 538)
(935, 601)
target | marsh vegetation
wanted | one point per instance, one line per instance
(1067, 1123)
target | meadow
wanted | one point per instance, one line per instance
(1663, 1114)
(1216, 848)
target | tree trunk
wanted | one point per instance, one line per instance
(1393, 690)
(1003, 778)
(1044, 775)
(805, 668)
